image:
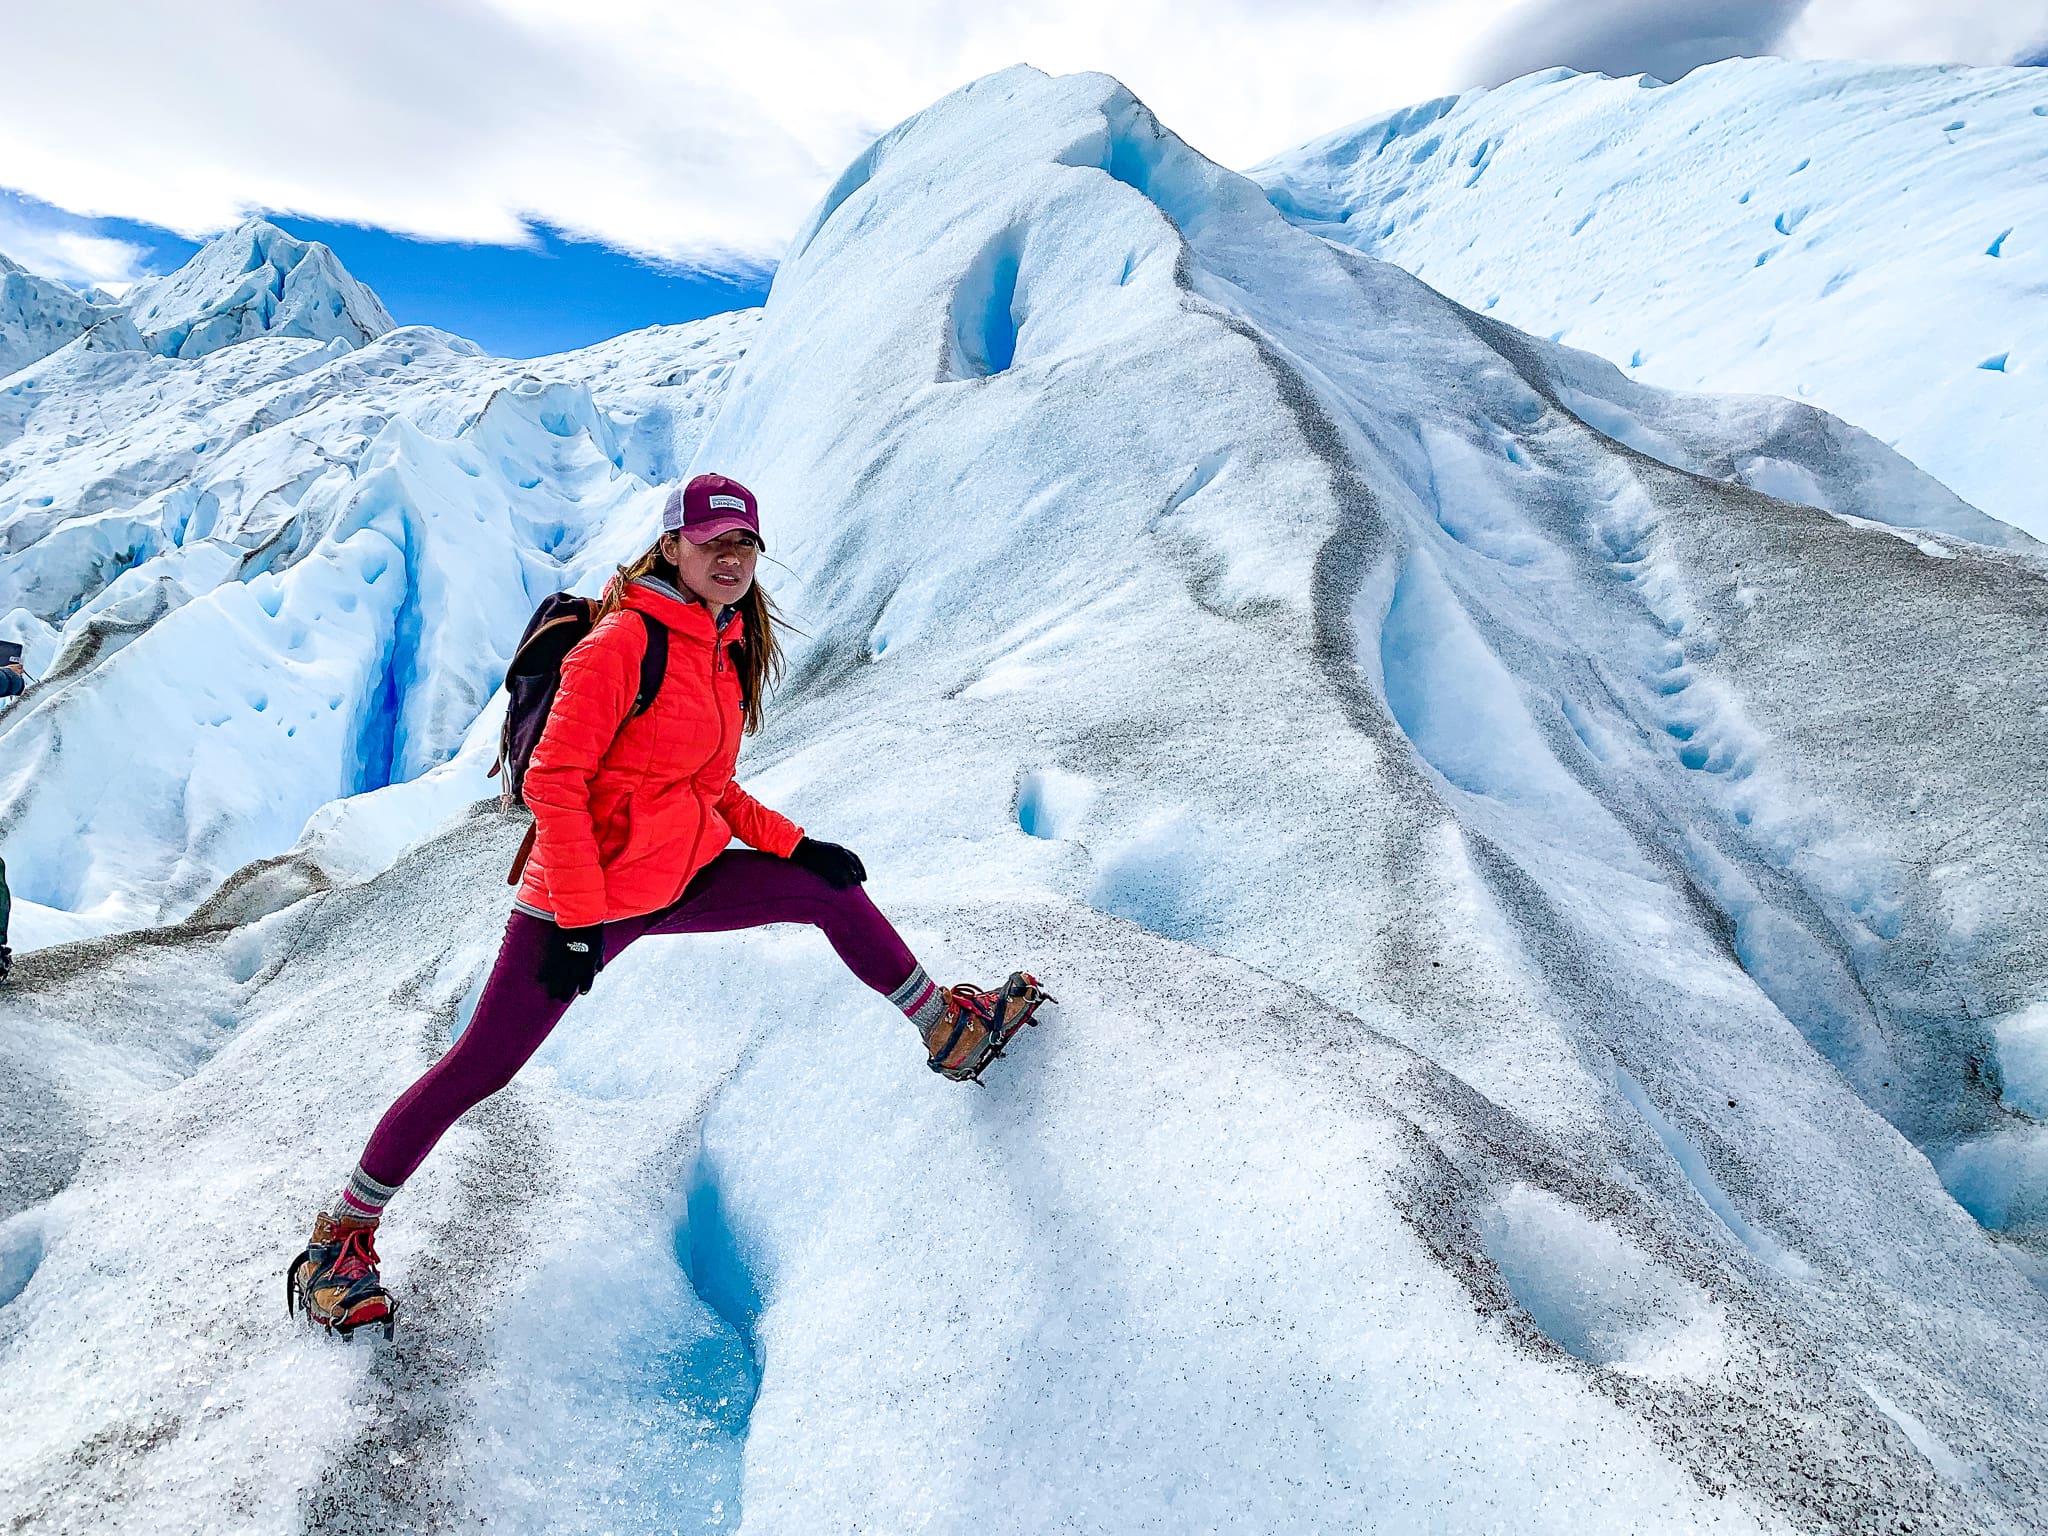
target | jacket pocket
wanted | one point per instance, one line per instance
(615, 840)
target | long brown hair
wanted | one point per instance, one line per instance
(760, 662)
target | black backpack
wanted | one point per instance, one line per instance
(535, 676)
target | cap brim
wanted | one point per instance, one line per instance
(711, 528)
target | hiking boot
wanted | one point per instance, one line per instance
(976, 1025)
(335, 1279)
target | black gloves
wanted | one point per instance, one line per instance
(838, 867)
(571, 961)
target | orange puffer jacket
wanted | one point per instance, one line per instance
(627, 810)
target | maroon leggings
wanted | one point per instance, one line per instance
(514, 1014)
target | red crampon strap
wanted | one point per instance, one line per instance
(358, 1254)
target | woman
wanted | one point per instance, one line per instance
(632, 816)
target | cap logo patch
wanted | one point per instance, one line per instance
(731, 502)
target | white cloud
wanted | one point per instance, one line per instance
(1915, 31)
(1631, 37)
(66, 254)
(1625, 37)
(694, 132)
(691, 132)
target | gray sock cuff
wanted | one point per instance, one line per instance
(363, 1195)
(920, 1000)
(911, 993)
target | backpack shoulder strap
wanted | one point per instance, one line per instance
(653, 663)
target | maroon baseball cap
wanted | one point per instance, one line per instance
(710, 505)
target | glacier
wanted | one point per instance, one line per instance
(345, 529)
(1867, 239)
(1540, 873)
(38, 315)
(255, 280)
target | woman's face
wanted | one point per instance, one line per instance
(717, 573)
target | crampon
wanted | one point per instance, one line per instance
(977, 1025)
(335, 1281)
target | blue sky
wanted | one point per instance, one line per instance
(525, 302)
(514, 301)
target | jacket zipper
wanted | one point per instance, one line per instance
(718, 708)
(718, 696)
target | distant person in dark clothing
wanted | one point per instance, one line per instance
(12, 681)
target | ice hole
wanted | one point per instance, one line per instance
(1593, 1293)
(1141, 155)
(985, 318)
(1809, 986)
(721, 1372)
(1460, 706)
(242, 956)
(21, 1252)
(1589, 731)
(1160, 880)
(2023, 1060)
(2001, 1179)
(1051, 802)
(1468, 502)
(623, 1383)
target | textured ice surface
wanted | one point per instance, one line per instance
(256, 280)
(38, 315)
(1526, 911)
(1873, 240)
(287, 571)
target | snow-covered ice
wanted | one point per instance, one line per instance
(1532, 913)
(254, 281)
(288, 571)
(1869, 239)
(38, 315)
